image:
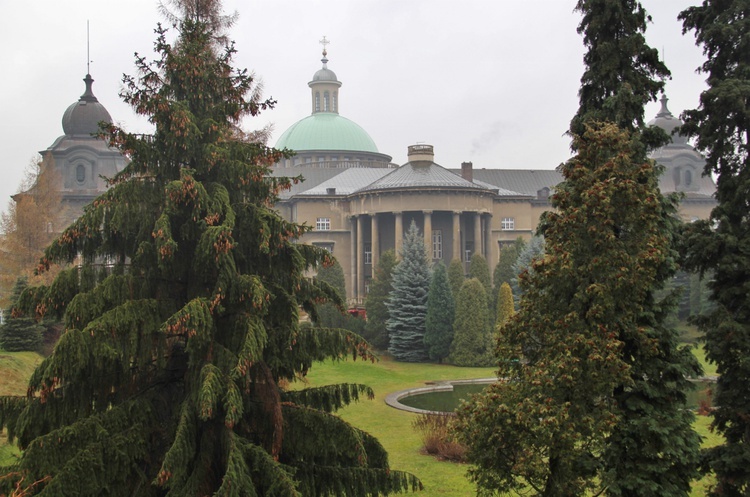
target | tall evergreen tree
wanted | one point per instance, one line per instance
(19, 333)
(380, 290)
(168, 379)
(718, 246)
(330, 315)
(479, 269)
(505, 307)
(620, 423)
(472, 340)
(407, 305)
(551, 431)
(456, 276)
(503, 272)
(440, 315)
(534, 249)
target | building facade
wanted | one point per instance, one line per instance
(359, 205)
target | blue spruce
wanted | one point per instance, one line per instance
(407, 305)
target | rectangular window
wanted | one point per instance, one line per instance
(323, 224)
(508, 224)
(437, 244)
(368, 253)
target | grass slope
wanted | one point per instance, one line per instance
(15, 371)
(394, 428)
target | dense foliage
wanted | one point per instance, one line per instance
(407, 304)
(375, 330)
(503, 272)
(505, 307)
(19, 333)
(472, 339)
(440, 315)
(456, 276)
(550, 429)
(718, 246)
(598, 399)
(169, 378)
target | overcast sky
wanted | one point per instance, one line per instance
(492, 82)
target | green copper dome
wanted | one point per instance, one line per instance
(326, 131)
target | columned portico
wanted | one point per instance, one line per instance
(399, 232)
(478, 234)
(375, 241)
(428, 233)
(353, 253)
(457, 235)
(360, 259)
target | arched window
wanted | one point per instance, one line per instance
(80, 173)
(326, 102)
(335, 101)
(688, 177)
(317, 102)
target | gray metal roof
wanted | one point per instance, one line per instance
(416, 175)
(349, 181)
(524, 181)
(313, 176)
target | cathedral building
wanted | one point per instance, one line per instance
(359, 204)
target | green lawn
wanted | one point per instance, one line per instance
(15, 370)
(391, 426)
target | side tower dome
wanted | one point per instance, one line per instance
(82, 118)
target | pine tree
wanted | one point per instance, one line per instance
(380, 290)
(169, 378)
(407, 305)
(19, 333)
(718, 246)
(440, 315)
(472, 340)
(505, 307)
(456, 276)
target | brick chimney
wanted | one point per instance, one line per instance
(467, 171)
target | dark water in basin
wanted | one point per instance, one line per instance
(448, 401)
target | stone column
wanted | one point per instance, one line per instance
(360, 259)
(353, 257)
(399, 232)
(374, 241)
(428, 234)
(457, 235)
(478, 233)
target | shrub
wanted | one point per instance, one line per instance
(437, 436)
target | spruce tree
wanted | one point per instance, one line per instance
(407, 305)
(479, 269)
(718, 246)
(19, 333)
(524, 262)
(169, 379)
(603, 372)
(440, 315)
(380, 290)
(456, 276)
(472, 340)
